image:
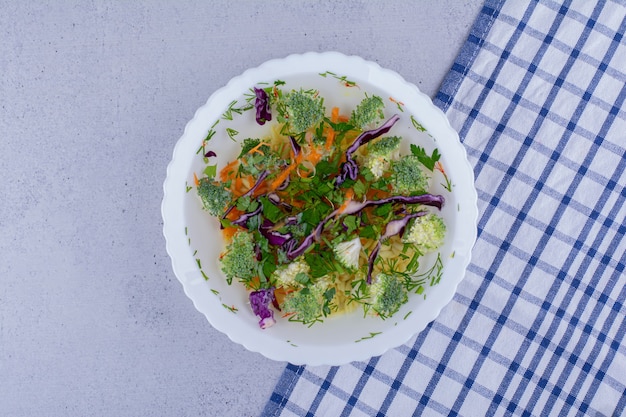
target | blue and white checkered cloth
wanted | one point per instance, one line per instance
(537, 326)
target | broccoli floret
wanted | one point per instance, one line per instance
(259, 161)
(307, 305)
(239, 260)
(247, 145)
(294, 274)
(367, 112)
(310, 303)
(388, 294)
(214, 196)
(427, 232)
(304, 110)
(348, 253)
(384, 146)
(380, 153)
(408, 176)
(256, 156)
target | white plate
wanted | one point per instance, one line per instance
(194, 241)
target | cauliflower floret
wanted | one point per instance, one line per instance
(380, 153)
(377, 166)
(348, 253)
(290, 275)
(427, 232)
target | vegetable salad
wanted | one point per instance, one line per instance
(326, 214)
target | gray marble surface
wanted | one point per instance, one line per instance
(93, 96)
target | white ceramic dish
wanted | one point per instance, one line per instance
(194, 241)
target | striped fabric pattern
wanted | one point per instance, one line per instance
(537, 327)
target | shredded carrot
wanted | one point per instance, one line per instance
(283, 176)
(242, 184)
(228, 171)
(196, 181)
(255, 282)
(256, 149)
(234, 214)
(297, 203)
(336, 117)
(314, 155)
(291, 200)
(330, 136)
(334, 114)
(238, 187)
(279, 294)
(344, 205)
(374, 194)
(263, 188)
(330, 139)
(229, 232)
(393, 100)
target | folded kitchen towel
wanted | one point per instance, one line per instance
(537, 326)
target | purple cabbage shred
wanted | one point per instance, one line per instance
(354, 207)
(262, 106)
(350, 169)
(394, 227)
(258, 182)
(260, 301)
(275, 199)
(295, 147)
(243, 219)
(256, 185)
(273, 237)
